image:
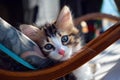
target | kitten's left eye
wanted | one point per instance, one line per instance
(48, 46)
(64, 39)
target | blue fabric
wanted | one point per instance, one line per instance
(15, 57)
(14, 44)
(109, 7)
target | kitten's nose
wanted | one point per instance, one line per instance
(61, 52)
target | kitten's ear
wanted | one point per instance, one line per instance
(31, 31)
(64, 20)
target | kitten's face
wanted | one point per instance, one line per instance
(56, 46)
(57, 41)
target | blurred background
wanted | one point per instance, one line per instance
(42, 11)
(39, 12)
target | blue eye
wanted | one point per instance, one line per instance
(48, 46)
(64, 39)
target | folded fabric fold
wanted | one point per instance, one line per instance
(15, 44)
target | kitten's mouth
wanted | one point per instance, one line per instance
(65, 57)
(61, 58)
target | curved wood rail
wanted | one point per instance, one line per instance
(89, 51)
(96, 16)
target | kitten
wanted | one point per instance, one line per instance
(59, 41)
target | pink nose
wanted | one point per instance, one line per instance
(61, 52)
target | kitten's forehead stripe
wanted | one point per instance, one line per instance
(50, 30)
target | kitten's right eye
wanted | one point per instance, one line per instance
(65, 39)
(48, 46)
